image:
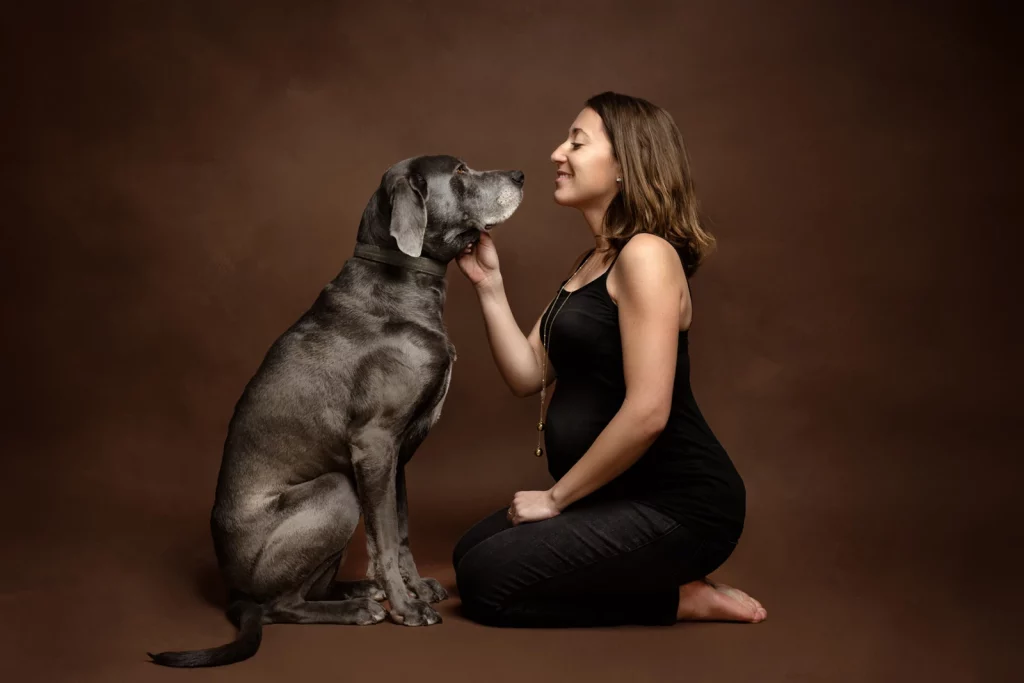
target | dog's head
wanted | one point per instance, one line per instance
(436, 205)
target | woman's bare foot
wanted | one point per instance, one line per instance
(706, 601)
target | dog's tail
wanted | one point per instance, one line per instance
(250, 631)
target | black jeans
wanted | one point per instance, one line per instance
(601, 563)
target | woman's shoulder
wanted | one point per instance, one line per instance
(643, 254)
(645, 247)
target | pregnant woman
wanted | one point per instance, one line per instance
(646, 501)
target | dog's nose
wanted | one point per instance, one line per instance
(518, 177)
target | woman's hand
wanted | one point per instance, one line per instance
(479, 261)
(532, 506)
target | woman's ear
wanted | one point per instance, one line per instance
(409, 212)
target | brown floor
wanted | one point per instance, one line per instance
(97, 576)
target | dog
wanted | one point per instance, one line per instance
(340, 403)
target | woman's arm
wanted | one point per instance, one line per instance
(652, 280)
(519, 358)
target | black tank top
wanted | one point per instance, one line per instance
(685, 473)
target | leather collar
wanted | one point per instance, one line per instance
(422, 264)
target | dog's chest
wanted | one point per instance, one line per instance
(438, 399)
(431, 412)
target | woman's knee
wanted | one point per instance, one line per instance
(483, 613)
(478, 533)
(463, 546)
(478, 578)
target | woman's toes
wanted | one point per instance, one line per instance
(755, 611)
(758, 613)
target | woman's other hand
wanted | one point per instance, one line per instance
(479, 261)
(532, 506)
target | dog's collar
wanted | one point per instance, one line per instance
(422, 264)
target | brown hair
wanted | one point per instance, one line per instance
(657, 193)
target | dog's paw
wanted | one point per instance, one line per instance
(371, 612)
(429, 589)
(371, 589)
(351, 590)
(416, 613)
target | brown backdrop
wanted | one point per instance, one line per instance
(181, 179)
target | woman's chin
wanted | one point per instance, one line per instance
(563, 198)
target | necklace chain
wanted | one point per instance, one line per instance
(546, 344)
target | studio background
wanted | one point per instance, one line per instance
(181, 179)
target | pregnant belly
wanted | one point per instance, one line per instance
(574, 419)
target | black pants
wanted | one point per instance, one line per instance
(601, 563)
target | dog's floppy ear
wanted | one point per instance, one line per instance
(409, 212)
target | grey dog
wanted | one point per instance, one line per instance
(340, 403)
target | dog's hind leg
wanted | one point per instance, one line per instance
(317, 520)
(312, 525)
(355, 612)
(294, 609)
(361, 588)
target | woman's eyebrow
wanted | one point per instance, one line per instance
(577, 130)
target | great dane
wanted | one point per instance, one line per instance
(340, 403)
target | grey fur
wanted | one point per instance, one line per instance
(339, 405)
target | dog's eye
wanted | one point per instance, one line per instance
(461, 170)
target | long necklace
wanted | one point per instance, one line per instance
(546, 343)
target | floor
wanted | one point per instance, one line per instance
(94, 580)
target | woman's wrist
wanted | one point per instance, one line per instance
(558, 497)
(490, 285)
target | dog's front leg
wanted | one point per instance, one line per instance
(374, 461)
(427, 589)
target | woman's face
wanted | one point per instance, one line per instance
(585, 165)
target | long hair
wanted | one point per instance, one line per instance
(657, 193)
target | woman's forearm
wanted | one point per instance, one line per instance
(511, 350)
(620, 444)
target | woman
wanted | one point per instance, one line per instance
(646, 501)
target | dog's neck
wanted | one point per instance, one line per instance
(422, 264)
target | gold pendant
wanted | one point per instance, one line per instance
(540, 426)
(539, 452)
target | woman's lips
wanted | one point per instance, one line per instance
(562, 176)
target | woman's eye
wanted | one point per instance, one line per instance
(576, 145)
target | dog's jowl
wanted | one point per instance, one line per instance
(343, 398)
